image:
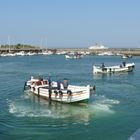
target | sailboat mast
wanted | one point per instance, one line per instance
(46, 43)
(9, 42)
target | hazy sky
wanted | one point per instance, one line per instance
(71, 23)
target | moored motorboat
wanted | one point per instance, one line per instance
(73, 56)
(114, 69)
(126, 56)
(59, 91)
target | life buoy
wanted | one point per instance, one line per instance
(69, 92)
(56, 93)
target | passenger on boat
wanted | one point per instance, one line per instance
(49, 80)
(103, 65)
(65, 84)
(120, 65)
(40, 78)
(58, 84)
(50, 87)
(124, 63)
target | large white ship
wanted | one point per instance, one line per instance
(97, 47)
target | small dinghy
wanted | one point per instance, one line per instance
(58, 91)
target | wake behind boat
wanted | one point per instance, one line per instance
(58, 91)
(125, 67)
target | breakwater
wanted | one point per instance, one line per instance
(126, 51)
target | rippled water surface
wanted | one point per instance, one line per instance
(113, 113)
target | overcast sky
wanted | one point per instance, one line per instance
(70, 23)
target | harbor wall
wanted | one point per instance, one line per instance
(127, 51)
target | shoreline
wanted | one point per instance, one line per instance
(123, 51)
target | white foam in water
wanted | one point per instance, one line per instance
(12, 108)
(27, 108)
(23, 110)
(103, 105)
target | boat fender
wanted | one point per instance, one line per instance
(60, 93)
(33, 89)
(56, 93)
(69, 92)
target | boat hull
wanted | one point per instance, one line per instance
(70, 95)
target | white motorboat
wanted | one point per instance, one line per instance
(114, 69)
(73, 56)
(126, 56)
(58, 91)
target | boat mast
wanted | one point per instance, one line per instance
(46, 43)
(9, 43)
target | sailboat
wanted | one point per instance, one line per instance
(45, 52)
(9, 53)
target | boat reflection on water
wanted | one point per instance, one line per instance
(76, 113)
(32, 106)
(110, 75)
(56, 113)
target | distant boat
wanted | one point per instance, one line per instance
(97, 47)
(126, 56)
(105, 53)
(21, 53)
(57, 91)
(114, 69)
(47, 52)
(73, 56)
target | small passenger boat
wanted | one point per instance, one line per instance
(59, 91)
(126, 56)
(125, 67)
(73, 56)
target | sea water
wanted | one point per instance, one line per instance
(113, 112)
